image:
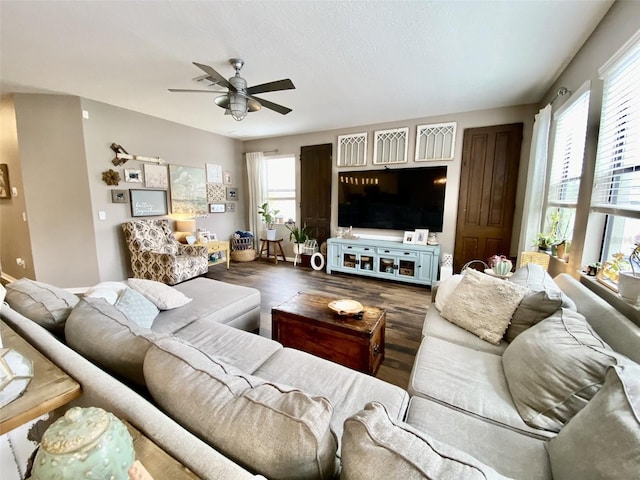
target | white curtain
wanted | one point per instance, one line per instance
(257, 178)
(536, 175)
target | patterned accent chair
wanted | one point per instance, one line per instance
(157, 255)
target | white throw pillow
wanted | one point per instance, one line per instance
(163, 296)
(445, 289)
(483, 305)
(110, 291)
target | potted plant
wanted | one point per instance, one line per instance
(543, 241)
(268, 216)
(629, 281)
(298, 235)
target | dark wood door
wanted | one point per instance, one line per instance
(315, 189)
(486, 201)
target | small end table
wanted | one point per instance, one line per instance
(277, 249)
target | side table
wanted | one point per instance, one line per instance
(49, 388)
(218, 246)
(277, 249)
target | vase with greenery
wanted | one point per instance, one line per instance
(298, 235)
(268, 215)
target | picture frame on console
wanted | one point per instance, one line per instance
(420, 236)
(409, 237)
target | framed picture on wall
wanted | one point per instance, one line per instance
(232, 193)
(119, 196)
(5, 188)
(230, 207)
(226, 178)
(148, 203)
(156, 176)
(216, 208)
(133, 175)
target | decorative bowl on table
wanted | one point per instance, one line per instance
(346, 307)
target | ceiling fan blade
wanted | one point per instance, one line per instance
(285, 84)
(272, 106)
(215, 76)
(187, 90)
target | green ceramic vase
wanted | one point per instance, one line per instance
(84, 443)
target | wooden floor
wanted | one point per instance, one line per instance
(406, 305)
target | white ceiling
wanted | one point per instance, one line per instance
(353, 63)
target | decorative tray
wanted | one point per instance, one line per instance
(346, 307)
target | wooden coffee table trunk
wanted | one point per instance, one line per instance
(305, 322)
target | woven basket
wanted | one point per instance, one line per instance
(247, 255)
(537, 258)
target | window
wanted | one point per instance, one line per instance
(566, 165)
(616, 189)
(281, 185)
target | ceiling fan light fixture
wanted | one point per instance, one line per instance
(238, 106)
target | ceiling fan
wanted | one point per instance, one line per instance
(239, 100)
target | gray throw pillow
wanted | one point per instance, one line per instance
(603, 439)
(45, 304)
(278, 431)
(103, 334)
(543, 298)
(555, 367)
(374, 446)
(483, 305)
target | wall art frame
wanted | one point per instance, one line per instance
(232, 193)
(5, 185)
(390, 146)
(188, 190)
(230, 207)
(148, 203)
(435, 142)
(214, 173)
(156, 176)
(352, 150)
(133, 175)
(119, 196)
(217, 208)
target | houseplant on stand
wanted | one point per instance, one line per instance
(629, 282)
(298, 235)
(268, 216)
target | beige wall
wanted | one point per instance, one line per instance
(56, 161)
(14, 231)
(497, 116)
(143, 135)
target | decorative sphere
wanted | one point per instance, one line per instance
(85, 443)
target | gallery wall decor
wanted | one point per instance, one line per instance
(214, 173)
(148, 203)
(111, 177)
(230, 207)
(119, 196)
(390, 146)
(226, 178)
(216, 193)
(156, 176)
(232, 193)
(435, 142)
(188, 190)
(216, 208)
(133, 175)
(5, 187)
(352, 150)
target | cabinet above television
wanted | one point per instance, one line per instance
(392, 198)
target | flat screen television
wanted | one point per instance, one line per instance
(392, 198)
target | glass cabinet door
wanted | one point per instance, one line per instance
(407, 268)
(349, 260)
(366, 263)
(385, 265)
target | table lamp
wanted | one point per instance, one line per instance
(185, 228)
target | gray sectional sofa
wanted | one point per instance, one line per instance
(230, 404)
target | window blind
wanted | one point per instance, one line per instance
(568, 152)
(616, 187)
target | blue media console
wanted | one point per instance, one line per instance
(384, 259)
